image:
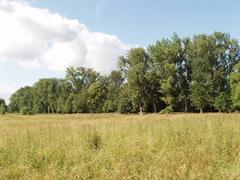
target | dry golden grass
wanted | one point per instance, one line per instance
(111, 146)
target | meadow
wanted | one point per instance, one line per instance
(114, 146)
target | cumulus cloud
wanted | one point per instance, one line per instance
(40, 38)
(7, 89)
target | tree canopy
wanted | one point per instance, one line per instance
(201, 73)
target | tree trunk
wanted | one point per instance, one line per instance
(201, 110)
(154, 106)
(186, 105)
(141, 110)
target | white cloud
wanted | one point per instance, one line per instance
(40, 38)
(7, 89)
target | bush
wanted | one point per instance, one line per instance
(95, 141)
(167, 110)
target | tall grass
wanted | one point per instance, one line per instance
(109, 146)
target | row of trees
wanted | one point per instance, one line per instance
(181, 74)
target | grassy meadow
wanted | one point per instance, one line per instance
(113, 146)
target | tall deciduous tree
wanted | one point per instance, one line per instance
(212, 59)
(202, 62)
(136, 65)
(81, 77)
(114, 86)
(183, 71)
(124, 100)
(46, 93)
(97, 95)
(165, 54)
(22, 99)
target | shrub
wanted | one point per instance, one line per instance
(95, 141)
(167, 110)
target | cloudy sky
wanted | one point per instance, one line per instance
(40, 38)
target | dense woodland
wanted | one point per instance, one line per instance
(179, 74)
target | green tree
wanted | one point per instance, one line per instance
(22, 98)
(166, 54)
(154, 103)
(60, 105)
(115, 81)
(202, 62)
(63, 91)
(223, 102)
(97, 95)
(124, 100)
(79, 102)
(235, 86)
(81, 77)
(68, 106)
(183, 71)
(201, 86)
(47, 93)
(227, 54)
(135, 66)
(212, 60)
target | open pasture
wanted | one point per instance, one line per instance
(114, 146)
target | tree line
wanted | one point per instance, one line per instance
(201, 73)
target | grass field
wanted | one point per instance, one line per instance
(111, 146)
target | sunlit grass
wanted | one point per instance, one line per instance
(111, 146)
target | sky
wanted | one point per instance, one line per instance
(41, 38)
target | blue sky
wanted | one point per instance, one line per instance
(145, 21)
(45, 43)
